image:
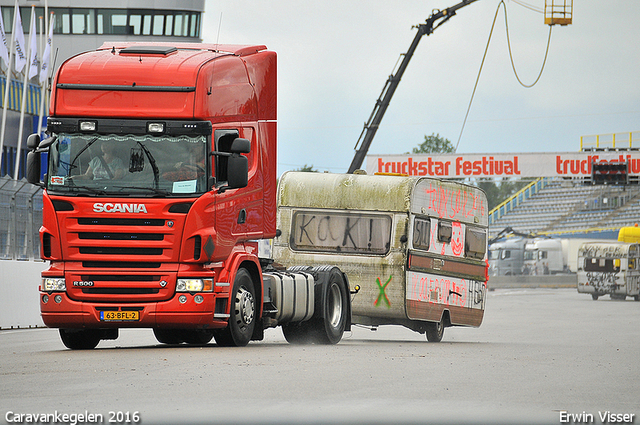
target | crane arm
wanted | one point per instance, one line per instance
(371, 126)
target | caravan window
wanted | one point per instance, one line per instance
(601, 265)
(475, 243)
(444, 231)
(421, 233)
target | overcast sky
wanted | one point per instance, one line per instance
(335, 56)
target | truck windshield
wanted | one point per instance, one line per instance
(128, 165)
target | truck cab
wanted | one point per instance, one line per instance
(161, 177)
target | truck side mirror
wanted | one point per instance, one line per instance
(33, 167)
(237, 171)
(33, 141)
(240, 146)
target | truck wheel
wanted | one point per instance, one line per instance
(435, 331)
(197, 336)
(242, 318)
(330, 327)
(168, 336)
(297, 333)
(76, 339)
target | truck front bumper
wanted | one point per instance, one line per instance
(183, 310)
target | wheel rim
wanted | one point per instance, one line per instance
(245, 307)
(334, 313)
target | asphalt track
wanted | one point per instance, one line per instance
(540, 355)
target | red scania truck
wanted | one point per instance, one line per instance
(161, 177)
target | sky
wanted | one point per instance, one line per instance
(334, 58)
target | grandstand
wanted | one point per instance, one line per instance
(568, 208)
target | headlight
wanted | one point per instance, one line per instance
(194, 285)
(50, 284)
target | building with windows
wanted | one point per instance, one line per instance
(83, 25)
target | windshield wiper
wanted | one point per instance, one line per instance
(152, 189)
(154, 166)
(88, 188)
(87, 146)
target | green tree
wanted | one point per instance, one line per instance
(307, 169)
(434, 144)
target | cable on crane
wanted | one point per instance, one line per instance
(484, 56)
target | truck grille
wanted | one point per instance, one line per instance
(125, 240)
(123, 259)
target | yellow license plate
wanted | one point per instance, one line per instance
(119, 316)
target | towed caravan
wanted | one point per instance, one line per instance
(415, 249)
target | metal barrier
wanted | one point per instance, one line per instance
(20, 219)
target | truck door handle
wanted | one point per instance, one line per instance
(242, 216)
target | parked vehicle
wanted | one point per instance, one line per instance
(609, 268)
(506, 257)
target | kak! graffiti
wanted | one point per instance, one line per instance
(341, 232)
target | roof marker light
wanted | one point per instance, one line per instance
(88, 126)
(155, 127)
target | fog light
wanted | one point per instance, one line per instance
(45, 298)
(58, 299)
(182, 299)
(198, 299)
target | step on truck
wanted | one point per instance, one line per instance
(160, 178)
(415, 249)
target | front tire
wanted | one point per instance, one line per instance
(197, 336)
(242, 317)
(76, 339)
(168, 336)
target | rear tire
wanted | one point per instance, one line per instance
(297, 333)
(329, 328)
(75, 339)
(242, 315)
(435, 331)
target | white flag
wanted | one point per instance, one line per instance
(46, 55)
(33, 49)
(4, 46)
(21, 53)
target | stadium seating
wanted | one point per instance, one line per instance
(570, 206)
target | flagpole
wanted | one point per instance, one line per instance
(44, 81)
(5, 103)
(23, 106)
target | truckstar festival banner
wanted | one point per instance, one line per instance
(459, 166)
